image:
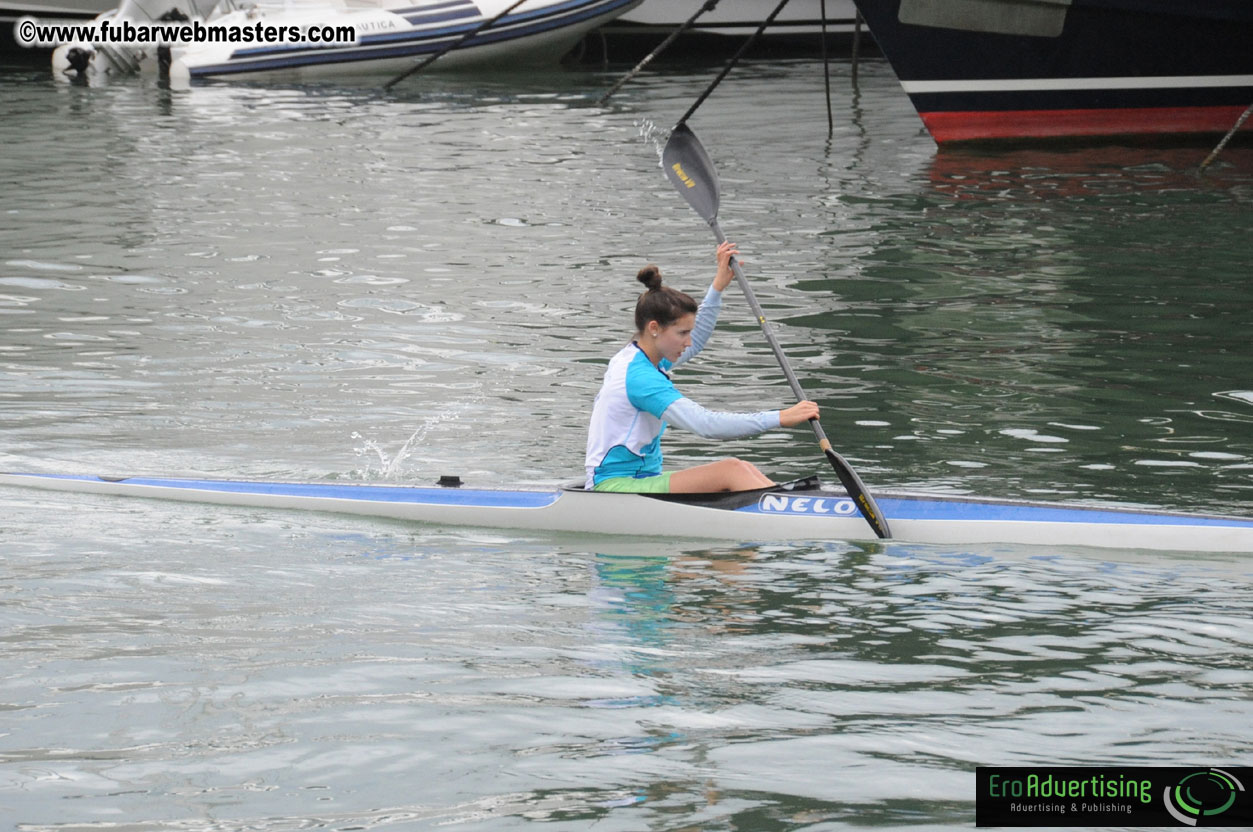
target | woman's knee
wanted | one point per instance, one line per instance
(745, 474)
(744, 465)
(729, 474)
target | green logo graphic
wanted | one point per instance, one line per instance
(1202, 795)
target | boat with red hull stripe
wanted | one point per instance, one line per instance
(1025, 70)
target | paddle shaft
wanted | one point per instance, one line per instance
(692, 172)
(848, 477)
(779, 355)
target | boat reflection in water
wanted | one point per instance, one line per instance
(1042, 172)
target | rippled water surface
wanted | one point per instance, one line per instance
(323, 283)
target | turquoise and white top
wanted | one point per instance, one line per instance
(638, 399)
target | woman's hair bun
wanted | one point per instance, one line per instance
(650, 276)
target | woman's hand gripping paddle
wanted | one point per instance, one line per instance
(690, 170)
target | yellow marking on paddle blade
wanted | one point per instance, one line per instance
(683, 177)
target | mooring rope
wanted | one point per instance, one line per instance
(857, 21)
(731, 63)
(826, 72)
(1209, 160)
(663, 46)
(421, 65)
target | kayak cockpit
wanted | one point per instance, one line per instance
(720, 499)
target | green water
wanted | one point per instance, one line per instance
(330, 283)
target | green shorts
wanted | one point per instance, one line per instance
(659, 484)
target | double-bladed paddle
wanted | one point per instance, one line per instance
(692, 172)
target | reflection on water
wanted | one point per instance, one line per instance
(1090, 303)
(826, 657)
(289, 670)
(329, 283)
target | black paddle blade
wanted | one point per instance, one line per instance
(861, 497)
(691, 171)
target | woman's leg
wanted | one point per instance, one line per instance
(723, 475)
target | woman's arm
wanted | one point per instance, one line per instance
(706, 320)
(725, 252)
(712, 424)
(707, 314)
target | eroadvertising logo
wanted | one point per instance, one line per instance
(1113, 796)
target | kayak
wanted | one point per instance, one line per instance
(800, 510)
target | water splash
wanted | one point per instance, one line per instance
(654, 135)
(391, 466)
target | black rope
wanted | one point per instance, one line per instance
(826, 72)
(421, 65)
(663, 46)
(856, 44)
(731, 64)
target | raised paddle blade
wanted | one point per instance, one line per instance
(691, 171)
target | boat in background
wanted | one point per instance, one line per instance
(391, 37)
(800, 510)
(1030, 70)
(799, 26)
(11, 11)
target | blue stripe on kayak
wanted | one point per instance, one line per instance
(495, 498)
(945, 510)
(922, 508)
(793, 504)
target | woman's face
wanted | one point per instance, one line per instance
(672, 340)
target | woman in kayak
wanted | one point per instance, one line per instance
(638, 399)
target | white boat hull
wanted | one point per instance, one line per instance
(391, 37)
(537, 34)
(741, 18)
(804, 514)
(12, 10)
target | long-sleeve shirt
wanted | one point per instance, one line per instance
(638, 399)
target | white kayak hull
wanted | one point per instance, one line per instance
(804, 513)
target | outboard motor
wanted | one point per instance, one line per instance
(94, 61)
(79, 58)
(163, 51)
(78, 62)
